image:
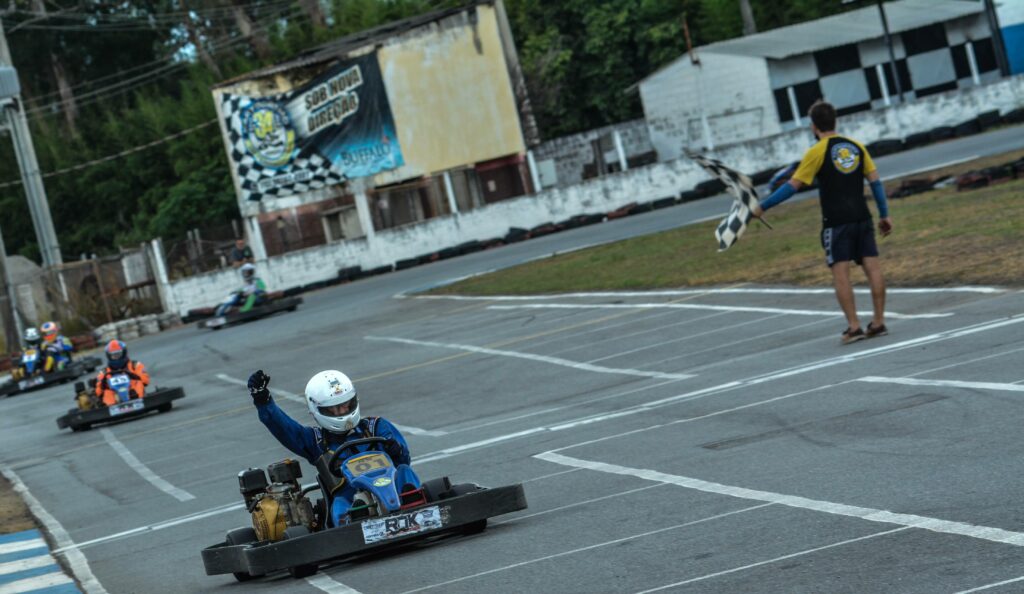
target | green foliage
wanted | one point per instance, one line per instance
(579, 58)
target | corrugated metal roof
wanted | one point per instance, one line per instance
(848, 27)
(340, 47)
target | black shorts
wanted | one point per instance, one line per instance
(852, 241)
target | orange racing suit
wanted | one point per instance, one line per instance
(136, 372)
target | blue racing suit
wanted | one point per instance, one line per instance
(60, 349)
(313, 442)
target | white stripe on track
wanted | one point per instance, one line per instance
(21, 545)
(76, 561)
(838, 509)
(29, 563)
(302, 400)
(587, 548)
(325, 583)
(710, 291)
(990, 586)
(769, 561)
(143, 470)
(532, 357)
(907, 381)
(33, 584)
(831, 313)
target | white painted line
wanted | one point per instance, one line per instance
(21, 545)
(302, 400)
(576, 504)
(838, 509)
(143, 470)
(47, 580)
(942, 383)
(325, 583)
(990, 586)
(30, 563)
(76, 561)
(769, 561)
(832, 313)
(587, 548)
(533, 357)
(710, 291)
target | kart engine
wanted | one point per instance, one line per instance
(86, 399)
(278, 505)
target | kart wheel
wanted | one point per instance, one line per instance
(165, 407)
(292, 308)
(242, 536)
(82, 427)
(437, 489)
(474, 527)
(299, 571)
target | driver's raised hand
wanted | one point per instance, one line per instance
(258, 389)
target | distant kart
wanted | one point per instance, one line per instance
(288, 531)
(36, 379)
(91, 410)
(272, 306)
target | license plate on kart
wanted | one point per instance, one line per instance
(218, 321)
(414, 522)
(126, 407)
(30, 382)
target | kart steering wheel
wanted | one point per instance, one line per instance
(332, 462)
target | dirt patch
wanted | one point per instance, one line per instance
(14, 514)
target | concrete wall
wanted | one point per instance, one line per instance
(569, 154)
(596, 195)
(733, 93)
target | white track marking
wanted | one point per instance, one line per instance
(587, 548)
(831, 313)
(942, 383)
(76, 561)
(30, 563)
(838, 509)
(533, 357)
(21, 545)
(32, 584)
(583, 344)
(326, 583)
(990, 586)
(769, 561)
(143, 470)
(576, 504)
(302, 400)
(711, 291)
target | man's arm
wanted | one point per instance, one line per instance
(878, 191)
(398, 449)
(301, 440)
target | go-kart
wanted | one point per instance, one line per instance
(91, 409)
(30, 372)
(290, 532)
(275, 302)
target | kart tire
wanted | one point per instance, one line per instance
(242, 536)
(82, 427)
(299, 571)
(437, 489)
(165, 407)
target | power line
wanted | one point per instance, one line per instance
(123, 153)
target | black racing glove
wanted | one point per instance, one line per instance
(258, 383)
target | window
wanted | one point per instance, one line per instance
(837, 59)
(342, 223)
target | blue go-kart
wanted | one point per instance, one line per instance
(30, 372)
(290, 532)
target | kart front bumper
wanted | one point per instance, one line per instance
(263, 558)
(154, 401)
(218, 322)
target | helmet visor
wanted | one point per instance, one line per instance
(339, 410)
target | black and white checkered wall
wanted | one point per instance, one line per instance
(929, 60)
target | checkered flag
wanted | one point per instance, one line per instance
(308, 171)
(739, 185)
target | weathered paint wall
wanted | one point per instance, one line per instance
(450, 95)
(597, 195)
(733, 92)
(570, 154)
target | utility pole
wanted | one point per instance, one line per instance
(749, 25)
(997, 38)
(35, 193)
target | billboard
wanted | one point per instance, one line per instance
(337, 126)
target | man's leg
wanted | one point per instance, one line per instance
(844, 293)
(873, 270)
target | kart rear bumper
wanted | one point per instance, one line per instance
(260, 559)
(74, 369)
(151, 402)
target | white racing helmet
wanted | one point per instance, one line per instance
(332, 401)
(248, 271)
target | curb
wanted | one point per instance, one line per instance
(26, 565)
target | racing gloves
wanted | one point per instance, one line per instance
(258, 383)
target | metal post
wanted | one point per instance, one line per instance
(449, 190)
(8, 303)
(31, 179)
(103, 291)
(997, 38)
(892, 52)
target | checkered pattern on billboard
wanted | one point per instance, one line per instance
(309, 171)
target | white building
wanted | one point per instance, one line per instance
(763, 84)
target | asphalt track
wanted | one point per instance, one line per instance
(690, 441)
